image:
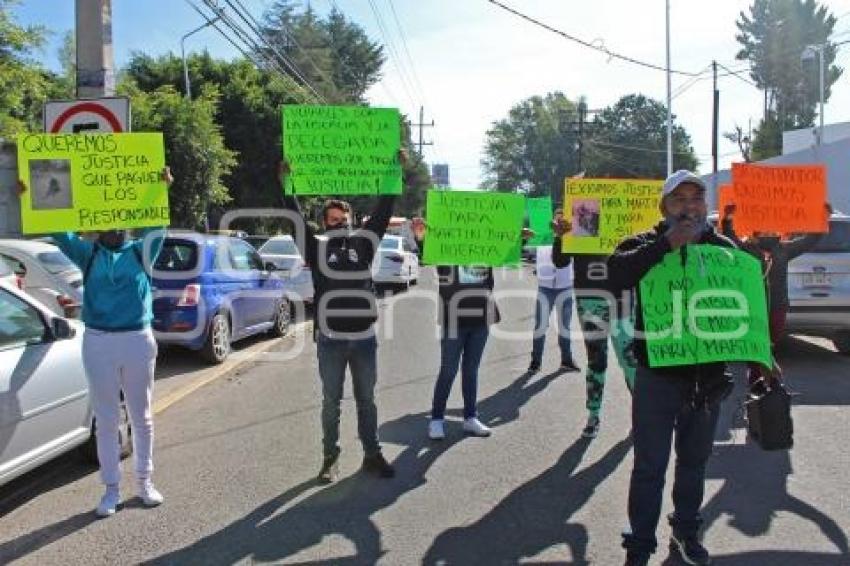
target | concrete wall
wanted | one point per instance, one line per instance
(799, 140)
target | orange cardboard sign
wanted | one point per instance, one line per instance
(783, 199)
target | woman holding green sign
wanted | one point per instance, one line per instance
(119, 350)
(468, 310)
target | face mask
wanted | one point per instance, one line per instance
(113, 239)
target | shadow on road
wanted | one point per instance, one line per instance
(271, 533)
(533, 517)
(755, 481)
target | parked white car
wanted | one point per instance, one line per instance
(395, 262)
(44, 398)
(282, 252)
(48, 274)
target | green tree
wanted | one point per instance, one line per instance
(534, 148)
(773, 37)
(24, 85)
(194, 147)
(629, 140)
(333, 55)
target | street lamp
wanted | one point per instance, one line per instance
(809, 54)
(183, 53)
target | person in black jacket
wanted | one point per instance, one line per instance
(345, 313)
(598, 306)
(774, 254)
(682, 399)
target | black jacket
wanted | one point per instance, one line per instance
(351, 258)
(591, 273)
(774, 261)
(466, 294)
(631, 261)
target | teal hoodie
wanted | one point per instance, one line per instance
(117, 294)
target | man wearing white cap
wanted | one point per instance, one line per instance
(682, 399)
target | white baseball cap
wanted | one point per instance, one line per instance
(679, 177)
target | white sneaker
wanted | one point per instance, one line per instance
(109, 502)
(436, 429)
(149, 495)
(475, 427)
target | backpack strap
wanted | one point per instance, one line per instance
(96, 249)
(90, 262)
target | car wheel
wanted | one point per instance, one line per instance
(283, 319)
(125, 438)
(217, 347)
(842, 342)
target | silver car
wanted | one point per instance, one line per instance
(44, 398)
(395, 262)
(48, 274)
(282, 252)
(819, 287)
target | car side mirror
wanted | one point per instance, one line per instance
(62, 329)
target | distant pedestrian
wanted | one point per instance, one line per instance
(554, 291)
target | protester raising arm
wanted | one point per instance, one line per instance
(560, 259)
(305, 240)
(798, 246)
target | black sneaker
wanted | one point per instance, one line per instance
(591, 429)
(569, 366)
(329, 472)
(690, 549)
(635, 559)
(533, 367)
(378, 465)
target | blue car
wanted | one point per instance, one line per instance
(210, 291)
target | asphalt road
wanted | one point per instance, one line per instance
(236, 462)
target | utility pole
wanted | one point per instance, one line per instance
(421, 125)
(714, 133)
(669, 100)
(95, 62)
(582, 114)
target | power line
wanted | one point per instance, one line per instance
(590, 45)
(738, 75)
(405, 82)
(636, 148)
(254, 44)
(407, 51)
(255, 25)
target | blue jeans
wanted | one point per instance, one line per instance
(660, 407)
(335, 355)
(468, 342)
(547, 299)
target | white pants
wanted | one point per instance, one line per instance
(116, 362)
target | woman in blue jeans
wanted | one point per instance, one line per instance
(468, 310)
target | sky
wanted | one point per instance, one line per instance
(469, 61)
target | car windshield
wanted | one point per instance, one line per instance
(838, 239)
(389, 243)
(177, 256)
(55, 262)
(282, 246)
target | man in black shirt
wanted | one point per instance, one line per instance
(345, 313)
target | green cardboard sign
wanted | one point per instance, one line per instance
(705, 305)
(342, 150)
(539, 212)
(91, 182)
(473, 228)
